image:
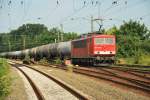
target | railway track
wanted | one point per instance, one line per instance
(38, 93)
(135, 65)
(133, 71)
(132, 81)
(77, 94)
(138, 74)
(133, 68)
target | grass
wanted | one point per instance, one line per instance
(4, 79)
(145, 60)
(142, 60)
(58, 61)
(17, 89)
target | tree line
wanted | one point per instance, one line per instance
(32, 35)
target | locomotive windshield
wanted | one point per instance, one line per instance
(103, 40)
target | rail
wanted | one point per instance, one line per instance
(72, 90)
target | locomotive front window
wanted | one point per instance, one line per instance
(99, 40)
(108, 40)
(103, 40)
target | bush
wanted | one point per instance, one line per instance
(121, 61)
(58, 61)
(44, 61)
(144, 59)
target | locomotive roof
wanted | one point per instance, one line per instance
(93, 36)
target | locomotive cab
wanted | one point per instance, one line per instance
(104, 48)
(93, 50)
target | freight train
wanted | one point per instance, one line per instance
(91, 50)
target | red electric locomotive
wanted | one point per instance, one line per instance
(94, 50)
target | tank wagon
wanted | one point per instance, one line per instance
(94, 49)
(50, 51)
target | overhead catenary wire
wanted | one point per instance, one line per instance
(99, 8)
(91, 6)
(64, 19)
(9, 14)
(146, 15)
(114, 4)
(29, 4)
(57, 6)
(25, 8)
(85, 6)
(79, 22)
(22, 3)
(98, 3)
(88, 4)
(1, 4)
(126, 5)
(74, 12)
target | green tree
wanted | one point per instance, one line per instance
(134, 28)
(70, 36)
(31, 35)
(132, 38)
(113, 30)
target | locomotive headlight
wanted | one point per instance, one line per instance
(98, 57)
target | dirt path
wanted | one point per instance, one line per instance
(18, 89)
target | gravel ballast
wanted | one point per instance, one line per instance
(49, 89)
(98, 89)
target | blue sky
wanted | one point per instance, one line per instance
(73, 14)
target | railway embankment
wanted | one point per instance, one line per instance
(11, 84)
